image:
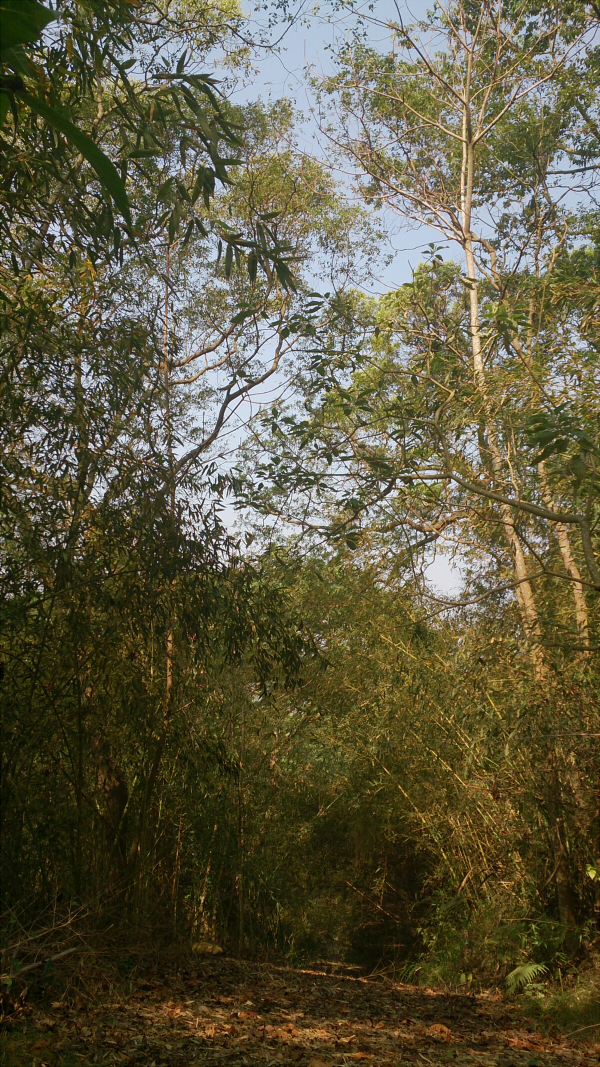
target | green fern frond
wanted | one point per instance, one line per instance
(523, 975)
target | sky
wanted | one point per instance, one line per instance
(306, 46)
(282, 73)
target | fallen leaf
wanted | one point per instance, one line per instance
(317, 1061)
(525, 1044)
(439, 1031)
(206, 948)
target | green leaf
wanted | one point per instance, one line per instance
(577, 468)
(252, 265)
(175, 220)
(228, 260)
(4, 106)
(144, 153)
(188, 233)
(449, 905)
(523, 975)
(205, 184)
(555, 448)
(104, 167)
(284, 275)
(22, 22)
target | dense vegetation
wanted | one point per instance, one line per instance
(278, 736)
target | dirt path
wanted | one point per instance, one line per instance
(253, 1015)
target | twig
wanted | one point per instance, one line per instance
(378, 906)
(49, 959)
(581, 1028)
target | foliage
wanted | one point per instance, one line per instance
(286, 744)
(524, 975)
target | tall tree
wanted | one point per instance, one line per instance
(449, 410)
(127, 346)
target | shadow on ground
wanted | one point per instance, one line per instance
(235, 1012)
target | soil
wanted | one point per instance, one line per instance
(221, 1011)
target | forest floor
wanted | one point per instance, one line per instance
(246, 1014)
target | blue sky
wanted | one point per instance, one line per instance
(282, 73)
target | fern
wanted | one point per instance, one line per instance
(524, 975)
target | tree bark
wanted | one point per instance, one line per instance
(170, 637)
(524, 590)
(566, 552)
(113, 788)
(240, 814)
(562, 880)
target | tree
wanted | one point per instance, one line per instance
(125, 350)
(447, 406)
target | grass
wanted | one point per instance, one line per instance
(573, 1009)
(33, 1048)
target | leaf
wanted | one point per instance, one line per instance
(252, 265)
(144, 153)
(440, 1031)
(284, 274)
(242, 315)
(448, 905)
(555, 448)
(523, 975)
(4, 106)
(228, 261)
(578, 469)
(175, 220)
(188, 233)
(22, 22)
(104, 167)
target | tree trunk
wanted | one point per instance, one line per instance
(524, 590)
(240, 814)
(562, 880)
(112, 786)
(564, 544)
(170, 638)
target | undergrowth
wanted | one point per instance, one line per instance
(571, 1005)
(487, 942)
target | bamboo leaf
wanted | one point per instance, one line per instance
(22, 22)
(228, 261)
(104, 167)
